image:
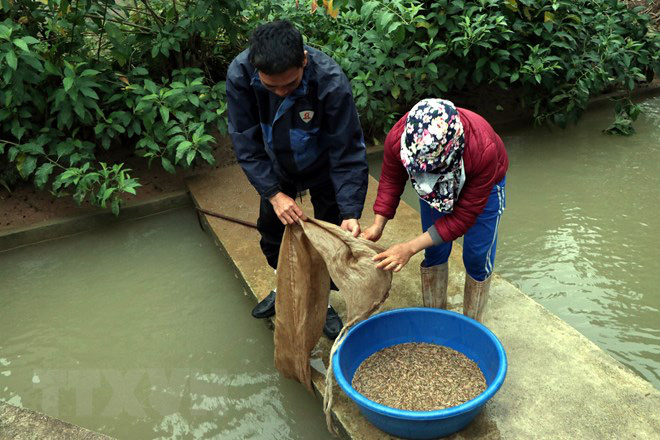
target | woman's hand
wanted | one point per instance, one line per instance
(395, 257)
(373, 232)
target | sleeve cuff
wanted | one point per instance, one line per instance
(435, 235)
(271, 192)
(387, 215)
(350, 215)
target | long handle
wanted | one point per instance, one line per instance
(228, 218)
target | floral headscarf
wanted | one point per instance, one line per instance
(432, 147)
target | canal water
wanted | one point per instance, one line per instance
(142, 330)
(581, 230)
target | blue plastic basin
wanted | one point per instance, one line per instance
(434, 326)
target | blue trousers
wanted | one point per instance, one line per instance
(479, 242)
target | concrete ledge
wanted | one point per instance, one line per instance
(559, 385)
(49, 230)
(23, 424)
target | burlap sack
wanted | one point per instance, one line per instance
(310, 254)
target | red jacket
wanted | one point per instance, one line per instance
(485, 161)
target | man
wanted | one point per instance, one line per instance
(294, 127)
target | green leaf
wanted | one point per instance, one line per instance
(190, 156)
(199, 132)
(5, 32)
(182, 149)
(172, 92)
(21, 44)
(27, 165)
(368, 8)
(385, 19)
(90, 93)
(433, 68)
(68, 83)
(558, 98)
(89, 72)
(42, 174)
(33, 62)
(165, 114)
(207, 156)
(396, 90)
(107, 193)
(174, 130)
(32, 148)
(10, 57)
(52, 69)
(79, 108)
(167, 165)
(514, 77)
(140, 71)
(194, 100)
(150, 86)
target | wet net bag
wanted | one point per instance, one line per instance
(311, 253)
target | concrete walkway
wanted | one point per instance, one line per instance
(559, 384)
(23, 424)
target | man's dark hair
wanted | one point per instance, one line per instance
(276, 47)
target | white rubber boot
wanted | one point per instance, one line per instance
(434, 285)
(475, 297)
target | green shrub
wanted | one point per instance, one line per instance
(77, 78)
(555, 54)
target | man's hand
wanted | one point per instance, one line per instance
(395, 257)
(351, 225)
(373, 232)
(286, 209)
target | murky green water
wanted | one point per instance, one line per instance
(581, 232)
(142, 330)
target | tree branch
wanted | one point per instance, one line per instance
(127, 23)
(158, 18)
(176, 13)
(102, 32)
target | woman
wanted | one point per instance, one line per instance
(457, 165)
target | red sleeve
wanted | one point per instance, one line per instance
(472, 199)
(393, 175)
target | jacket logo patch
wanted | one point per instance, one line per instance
(306, 115)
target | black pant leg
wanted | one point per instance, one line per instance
(326, 208)
(271, 228)
(325, 203)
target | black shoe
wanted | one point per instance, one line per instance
(333, 324)
(265, 308)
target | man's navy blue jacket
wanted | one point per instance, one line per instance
(311, 137)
